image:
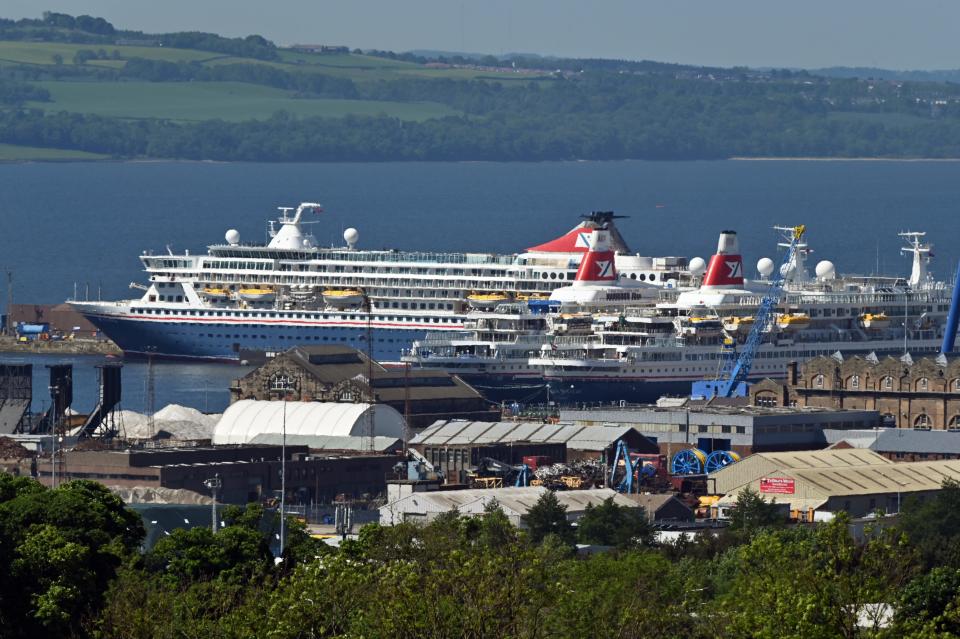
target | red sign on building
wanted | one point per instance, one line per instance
(777, 485)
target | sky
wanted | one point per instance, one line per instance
(893, 34)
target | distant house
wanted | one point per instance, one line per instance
(319, 48)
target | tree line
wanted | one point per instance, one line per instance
(71, 564)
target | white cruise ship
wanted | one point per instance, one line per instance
(637, 353)
(242, 297)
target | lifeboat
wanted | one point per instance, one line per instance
(343, 297)
(532, 297)
(216, 294)
(741, 325)
(301, 292)
(257, 294)
(793, 321)
(875, 320)
(486, 301)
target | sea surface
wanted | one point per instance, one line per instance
(67, 227)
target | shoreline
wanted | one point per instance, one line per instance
(9, 346)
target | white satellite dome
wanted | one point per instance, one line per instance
(232, 237)
(826, 270)
(765, 266)
(697, 266)
(351, 236)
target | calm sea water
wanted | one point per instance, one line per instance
(84, 224)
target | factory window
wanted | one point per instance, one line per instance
(922, 421)
(922, 384)
(855, 382)
(741, 430)
(724, 429)
(702, 428)
(888, 382)
(818, 381)
(954, 423)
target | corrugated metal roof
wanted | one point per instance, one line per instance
(829, 458)
(879, 478)
(517, 500)
(461, 433)
(753, 467)
(902, 440)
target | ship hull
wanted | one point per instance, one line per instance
(220, 341)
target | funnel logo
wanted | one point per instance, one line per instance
(736, 269)
(604, 269)
(583, 240)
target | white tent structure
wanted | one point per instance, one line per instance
(248, 420)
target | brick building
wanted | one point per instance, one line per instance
(339, 374)
(924, 393)
(248, 473)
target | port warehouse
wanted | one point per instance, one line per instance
(741, 429)
(456, 447)
(515, 502)
(858, 489)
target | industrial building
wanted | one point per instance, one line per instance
(907, 393)
(662, 508)
(456, 447)
(858, 490)
(515, 502)
(339, 374)
(759, 465)
(317, 425)
(905, 444)
(248, 473)
(741, 429)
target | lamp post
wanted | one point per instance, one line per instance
(214, 484)
(55, 394)
(283, 472)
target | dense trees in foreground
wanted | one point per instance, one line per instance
(71, 566)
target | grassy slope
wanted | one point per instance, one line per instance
(213, 100)
(9, 152)
(224, 100)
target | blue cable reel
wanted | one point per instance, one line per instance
(690, 461)
(719, 459)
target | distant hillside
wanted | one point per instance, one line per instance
(81, 87)
(944, 75)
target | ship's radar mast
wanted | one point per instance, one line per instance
(795, 270)
(922, 252)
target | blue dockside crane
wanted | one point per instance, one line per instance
(731, 381)
(953, 318)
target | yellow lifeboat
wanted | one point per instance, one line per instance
(486, 301)
(875, 320)
(735, 324)
(343, 297)
(527, 297)
(214, 293)
(793, 321)
(255, 294)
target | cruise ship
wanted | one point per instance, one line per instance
(243, 298)
(590, 352)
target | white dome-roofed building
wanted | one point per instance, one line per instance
(332, 425)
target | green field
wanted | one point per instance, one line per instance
(43, 52)
(194, 101)
(11, 153)
(360, 68)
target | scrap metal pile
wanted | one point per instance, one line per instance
(588, 473)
